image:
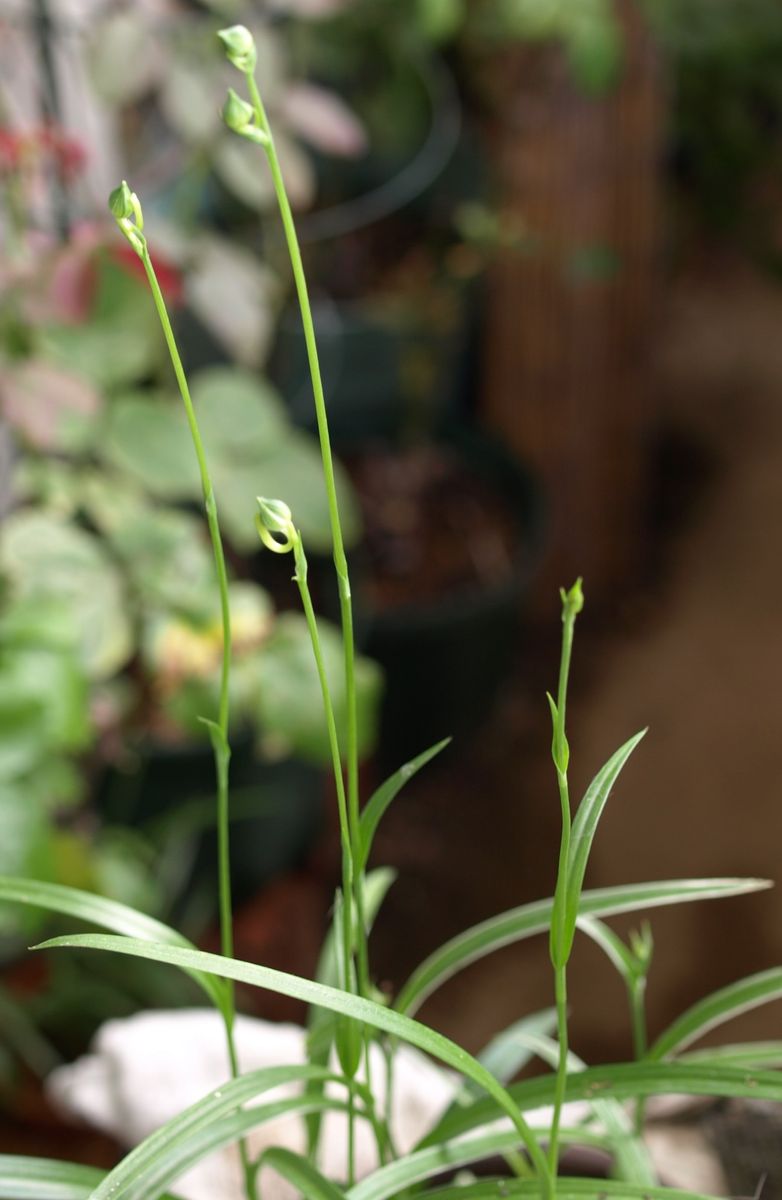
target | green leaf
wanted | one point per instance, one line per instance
(322, 1024)
(377, 804)
(299, 1172)
(26, 844)
(150, 441)
(509, 1052)
(291, 470)
(716, 1008)
(50, 559)
(290, 700)
(178, 1157)
(631, 1158)
(518, 923)
(241, 416)
(23, 1178)
(121, 344)
(567, 1189)
(615, 950)
(148, 1167)
(624, 1081)
(167, 558)
(585, 824)
(346, 1004)
(109, 914)
(739, 1054)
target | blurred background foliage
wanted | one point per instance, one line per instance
(390, 117)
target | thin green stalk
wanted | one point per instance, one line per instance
(127, 210)
(640, 1039)
(210, 505)
(355, 899)
(331, 727)
(572, 602)
(340, 560)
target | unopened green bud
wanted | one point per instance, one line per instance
(572, 601)
(239, 47)
(121, 202)
(126, 209)
(642, 946)
(275, 518)
(237, 113)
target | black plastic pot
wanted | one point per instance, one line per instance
(387, 364)
(446, 661)
(167, 791)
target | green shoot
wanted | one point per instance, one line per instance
(126, 210)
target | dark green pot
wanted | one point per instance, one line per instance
(446, 661)
(167, 792)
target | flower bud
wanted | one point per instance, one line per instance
(239, 47)
(572, 601)
(121, 202)
(126, 210)
(274, 517)
(237, 113)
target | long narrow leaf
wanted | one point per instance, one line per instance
(632, 1160)
(739, 1054)
(354, 1007)
(421, 1165)
(322, 1024)
(109, 914)
(23, 1178)
(377, 804)
(28, 1178)
(301, 1174)
(585, 824)
(624, 1081)
(518, 923)
(567, 1189)
(509, 1052)
(715, 1009)
(187, 1152)
(137, 1168)
(615, 950)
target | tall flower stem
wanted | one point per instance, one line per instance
(266, 140)
(127, 210)
(572, 602)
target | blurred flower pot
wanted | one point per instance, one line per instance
(452, 532)
(167, 789)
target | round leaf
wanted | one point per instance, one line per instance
(149, 439)
(47, 558)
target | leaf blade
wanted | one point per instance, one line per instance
(109, 914)
(716, 1008)
(373, 810)
(354, 1007)
(584, 828)
(622, 1081)
(516, 924)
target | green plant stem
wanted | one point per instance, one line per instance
(340, 560)
(559, 955)
(347, 859)
(637, 991)
(331, 728)
(221, 746)
(355, 899)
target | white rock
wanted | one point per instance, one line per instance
(144, 1070)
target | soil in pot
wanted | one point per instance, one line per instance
(450, 538)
